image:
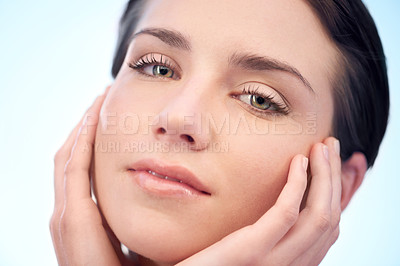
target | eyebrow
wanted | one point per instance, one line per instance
(246, 61)
(261, 63)
(170, 37)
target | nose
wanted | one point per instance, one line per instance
(181, 122)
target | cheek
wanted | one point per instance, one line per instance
(256, 170)
(255, 173)
(126, 114)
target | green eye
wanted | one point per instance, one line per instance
(162, 71)
(260, 102)
(265, 102)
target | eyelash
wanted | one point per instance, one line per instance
(149, 60)
(281, 109)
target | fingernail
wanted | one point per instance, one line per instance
(325, 151)
(336, 145)
(305, 163)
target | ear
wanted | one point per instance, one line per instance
(353, 172)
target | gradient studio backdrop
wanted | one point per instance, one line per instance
(55, 57)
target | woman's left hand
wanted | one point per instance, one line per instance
(283, 236)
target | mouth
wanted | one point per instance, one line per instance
(158, 178)
(164, 177)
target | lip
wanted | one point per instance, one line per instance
(183, 183)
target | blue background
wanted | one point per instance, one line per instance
(55, 57)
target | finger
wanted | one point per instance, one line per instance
(336, 168)
(328, 244)
(64, 153)
(320, 195)
(314, 219)
(315, 254)
(318, 250)
(61, 158)
(77, 183)
(273, 225)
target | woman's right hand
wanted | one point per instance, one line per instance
(77, 226)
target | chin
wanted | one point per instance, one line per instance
(163, 245)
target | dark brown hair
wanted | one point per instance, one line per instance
(360, 88)
(360, 85)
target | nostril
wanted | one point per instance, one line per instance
(188, 138)
(161, 130)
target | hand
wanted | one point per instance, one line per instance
(283, 236)
(76, 226)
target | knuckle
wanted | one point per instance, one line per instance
(322, 222)
(290, 215)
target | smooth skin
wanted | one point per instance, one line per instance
(282, 236)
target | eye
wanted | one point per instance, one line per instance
(264, 101)
(159, 71)
(258, 102)
(155, 66)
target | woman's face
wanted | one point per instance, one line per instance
(218, 96)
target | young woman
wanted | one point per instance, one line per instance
(218, 142)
